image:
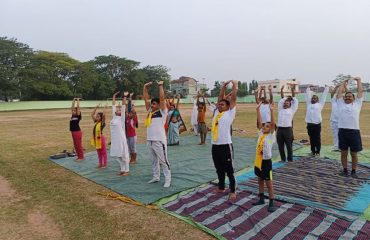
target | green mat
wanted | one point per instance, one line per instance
(191, 166)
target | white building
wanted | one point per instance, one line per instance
(278, 83)
(186, 87)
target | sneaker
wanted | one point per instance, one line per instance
(271, 208)
(167, 184)
(343, 173)
(153, 180)
(259, 202)
(354, 175)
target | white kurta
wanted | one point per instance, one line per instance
(118, 146)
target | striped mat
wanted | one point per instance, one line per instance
(316, 181)
(241, 220)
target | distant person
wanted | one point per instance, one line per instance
(222, 147)
(314, 119)
(265, 106)
(263, 162)
(74, 127)
(98, 138)
(174, 123)
(156, 134)
(131, 123)
(194, 118)
(349, 126)
(119, 148)
(286, 109)
(334, 118)
(202, 126)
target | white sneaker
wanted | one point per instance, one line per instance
(153, 180)
(167, 184)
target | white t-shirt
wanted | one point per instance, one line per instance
(349, 114)
(334, 117)
(270, 139)
(265, 113)
(313, 112)
(224, 125)
(156, 131)
(285, 116)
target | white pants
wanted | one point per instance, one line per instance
(195, 127)
(124, 163)
(334, 127)
(158, 155)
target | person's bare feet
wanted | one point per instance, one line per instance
(99, 166)
(217, 190)
(232, 196)
(123, 174)
(79, 159)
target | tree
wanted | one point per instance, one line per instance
(50, 76)
(216, 89)
(341, 77)
(14, 57)
(157, 73)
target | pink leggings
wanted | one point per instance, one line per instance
(102, 153)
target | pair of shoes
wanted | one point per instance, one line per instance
(259, 202)
(153, 180)
(343, 173)
(354, 175)
(167, 184)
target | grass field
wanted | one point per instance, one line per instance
(39, 199)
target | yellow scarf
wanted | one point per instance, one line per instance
(96, 138)
(215, 125)
(148, 119)
(259, 151)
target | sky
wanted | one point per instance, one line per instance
(209, 40)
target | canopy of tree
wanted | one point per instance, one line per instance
(39, 75)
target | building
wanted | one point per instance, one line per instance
(315, 88)
(278, 83)
(186, 87)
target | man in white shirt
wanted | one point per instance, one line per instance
(349, 135)
(287, 107)
(265, 106)
(156, 134)
(314, 119)
(334, 117)
(222, 148)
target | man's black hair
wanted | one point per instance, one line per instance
(155, 100)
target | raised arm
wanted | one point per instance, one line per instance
(234, 92)
(270, 93)
(260, 93)
(114, 98)
(272, 124)
(146, 95)
(334, 90)
(264, 92)
(178, 102)
(282, 92)
(93, 112)
(124, 98)
(292, 87)
(221, 95)
(308, 95)
(162, 103)
(359, 87)
(342, 87)
(259, 117)
(78, 107)
(73, 104)
(256, 95)
(323, 96)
